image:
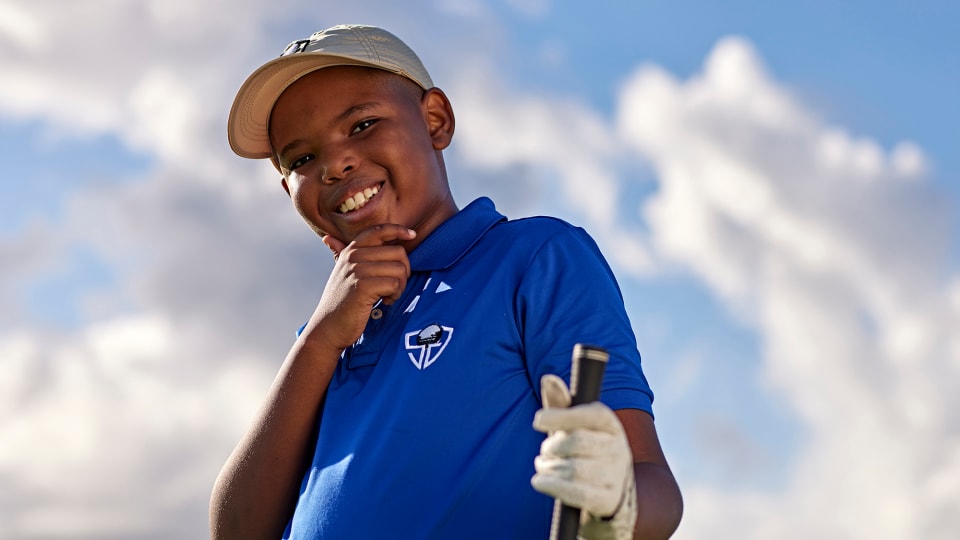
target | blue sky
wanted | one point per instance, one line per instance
(776, 187)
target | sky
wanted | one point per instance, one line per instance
(776, 186)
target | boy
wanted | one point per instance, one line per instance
(403, 409)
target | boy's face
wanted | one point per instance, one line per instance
(344, 133)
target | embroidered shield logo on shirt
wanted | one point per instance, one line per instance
(425, 346)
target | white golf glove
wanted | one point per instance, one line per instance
(585, 462)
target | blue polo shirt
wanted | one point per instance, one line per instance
(426, 426)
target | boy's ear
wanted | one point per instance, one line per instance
(439, 117)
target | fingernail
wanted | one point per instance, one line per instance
(412, 232)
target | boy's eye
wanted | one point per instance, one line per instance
(362, 125)
(300, 162)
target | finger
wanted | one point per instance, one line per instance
(588, 473)
(569, 492)
(356, 275)
(595, 416)
(359, 256)
(596, 473)
(378, 262)
(335, 244)
(386, 279)
(601, 501)
(391, 299)
(552, 467)
(387, 288)
(385, 232)
(585, 484)
(580, 442)
(379, 266)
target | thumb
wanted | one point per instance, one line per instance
(335, 244)
(554, 392)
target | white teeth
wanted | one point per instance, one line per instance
(359, 200)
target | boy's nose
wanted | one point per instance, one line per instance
(334, 175)
(338, 163)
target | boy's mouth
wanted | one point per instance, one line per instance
(358, 200)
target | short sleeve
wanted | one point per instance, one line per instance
(568, 295)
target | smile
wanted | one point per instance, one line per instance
(358, 200)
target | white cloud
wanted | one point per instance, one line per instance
(804, 229)
(111, 436)
(153, 73)
(162, 94)
(18, 26)
(573, 150)
(908, 160)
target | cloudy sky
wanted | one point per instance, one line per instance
(777, 189)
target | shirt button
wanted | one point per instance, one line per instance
(376, 314)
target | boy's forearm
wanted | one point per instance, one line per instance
(659, 502)
(256, 489)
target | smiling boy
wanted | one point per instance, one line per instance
(403, 409)
(381, 118)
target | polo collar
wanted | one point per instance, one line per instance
(455, 236)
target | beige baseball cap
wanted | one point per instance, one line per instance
(343, 45)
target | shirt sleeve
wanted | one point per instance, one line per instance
(569, 295)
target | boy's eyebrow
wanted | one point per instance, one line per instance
(350, 111)
(353, 109)
(288, 146)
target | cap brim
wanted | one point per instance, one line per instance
(248, 123)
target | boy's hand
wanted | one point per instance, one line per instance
(586, 462)
(367, 269)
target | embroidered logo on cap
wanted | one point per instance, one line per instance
(427, 344)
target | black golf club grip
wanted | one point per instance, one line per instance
(586, 375)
